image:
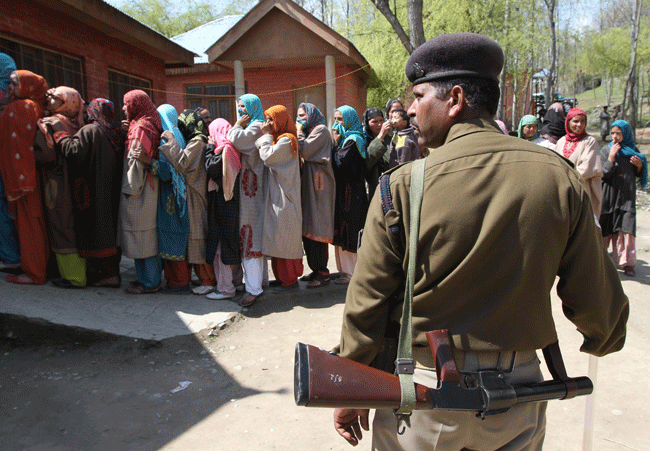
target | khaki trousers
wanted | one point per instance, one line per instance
(521, 428)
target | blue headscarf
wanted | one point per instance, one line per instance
(628, 149)
(169, 119)
(254, 108)
(351, 128)
(7, 66)
(314, 117)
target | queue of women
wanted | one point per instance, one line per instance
(178, 194)
(610, 173)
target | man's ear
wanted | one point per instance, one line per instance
(457, 101)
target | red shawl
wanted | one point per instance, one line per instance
(18, 125)
(571, 139)
(144, 126)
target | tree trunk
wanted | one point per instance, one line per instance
(548, 93)
(416, 28)
(501, 114)
(629, 112)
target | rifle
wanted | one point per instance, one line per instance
(322, 379)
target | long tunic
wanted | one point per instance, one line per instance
(57, 196)
(173, 229)
(223, 216)
(351, 203)
(282, 236)
(190, 162)
(619, 195)
(525, 199)
(96, 175)
(138, 224)
(586, 158)
(251, 188)
(318, 188)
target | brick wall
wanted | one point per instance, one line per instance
(275, 85)
(36, 25)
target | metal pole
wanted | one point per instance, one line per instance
(588, 433)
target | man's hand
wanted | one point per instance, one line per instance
(348, 423)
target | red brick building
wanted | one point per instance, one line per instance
(89, 45)
(277, 51)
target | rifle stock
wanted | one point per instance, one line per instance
(322, 379)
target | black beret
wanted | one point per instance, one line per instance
(455, 55)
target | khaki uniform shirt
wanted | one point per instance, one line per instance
(501, 218)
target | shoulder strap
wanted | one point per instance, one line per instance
(404, 364)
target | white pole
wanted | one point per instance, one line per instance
(588, 434)
(330, 89)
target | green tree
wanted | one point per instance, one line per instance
(167, 20)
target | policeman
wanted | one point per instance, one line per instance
(500, 219)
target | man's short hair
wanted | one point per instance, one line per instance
(481, 93)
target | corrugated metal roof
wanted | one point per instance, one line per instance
(202, 38)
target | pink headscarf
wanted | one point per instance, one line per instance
(231, 157)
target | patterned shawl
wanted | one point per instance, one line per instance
(18, 125)
(7, 66)
(367, 115)
(101, 112)
(283, 127)
(231, 157)
(169, 119)
(192, 126)
(144, 125)
(69, 113)
(528, 119)
(314, 117)
(351, 128)
(628, 148)
(254, 108)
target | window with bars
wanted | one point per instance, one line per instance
(119, 84)
(218, 99)
(58, 69)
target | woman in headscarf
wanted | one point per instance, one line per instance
(223, 163)
(243, 135)
(622, 166)
(9, 250)
(66, 108)
(95, 155)
(173, 219)
(18, 125)
(282, 237)
(318, 191)
(139, 202)
(393, 105)
(529, 130)
(351, 203)
(553, 123)
(584, 153)
(378, 138)
(190, 162)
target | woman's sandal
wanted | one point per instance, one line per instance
(319, 281)
(343, 280)
(249, 300)
(309, 277)
(141, 290)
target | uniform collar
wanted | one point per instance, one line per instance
(470, 126)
